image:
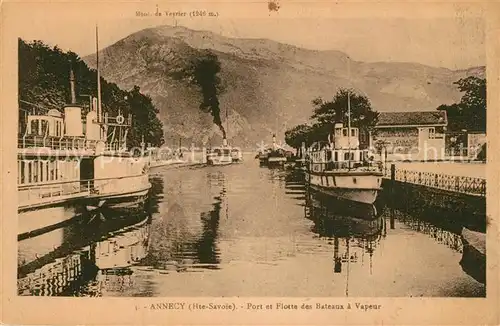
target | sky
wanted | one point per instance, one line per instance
(451, 41)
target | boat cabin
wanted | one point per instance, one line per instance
(221, 151)
(51, 141)
(51, 124)
(340, 152)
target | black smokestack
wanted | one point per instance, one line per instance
(205, 73)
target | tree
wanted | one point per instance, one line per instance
(44, 81)
(336, 111)
(470, 113)
(327, 114)
(146, 123)
(298, 135)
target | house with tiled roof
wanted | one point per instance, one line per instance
(411, 135)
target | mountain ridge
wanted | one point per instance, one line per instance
(268, 86)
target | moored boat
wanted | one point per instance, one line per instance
(75, 157)
(342, 170)
(276, 157)
(263, 156)
(272, 156)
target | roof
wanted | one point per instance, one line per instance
(419, 118)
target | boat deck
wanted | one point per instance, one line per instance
(51, 200)
(40, 195)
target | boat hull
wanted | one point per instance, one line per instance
(342, 207)
(363, 196)
(219, 162)
(118, 201)
(359, 187)
(276, 160)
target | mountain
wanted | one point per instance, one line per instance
(267, 86)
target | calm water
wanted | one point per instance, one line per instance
(242, 230)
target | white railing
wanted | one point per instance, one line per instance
(44, 194)
(67, 143)
(35, 195)
(56, 143)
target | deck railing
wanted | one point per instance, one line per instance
(66, 143)
(35, 195)
(41, 194)
(459, 184)
(56, 143)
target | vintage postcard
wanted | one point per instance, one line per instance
(250, 162)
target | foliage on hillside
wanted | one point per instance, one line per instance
(44, 81)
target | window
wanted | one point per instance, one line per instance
(41, 171)
(23, 176)
(30, 174)
(47, 170)
(346, 156)
(432, 133)
(34, 127)
(344, 131)
(353, 132)
(45, 127)
(35, 171)
(52, 165)
(56, 168)
(336, 156)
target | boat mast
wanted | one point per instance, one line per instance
(99, 106)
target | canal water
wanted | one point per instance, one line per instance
(245, 230)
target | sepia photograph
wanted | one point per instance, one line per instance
(178, 151)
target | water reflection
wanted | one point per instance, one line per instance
(243, 231)
(447, 234)
(113, 245)
(352, 237)
(181, 242)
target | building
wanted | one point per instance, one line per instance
(410, 135)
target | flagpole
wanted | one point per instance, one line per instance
(99, 106)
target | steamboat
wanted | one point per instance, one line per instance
(341, 169)
(220, 155)
(74, 159)
(273, 156)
